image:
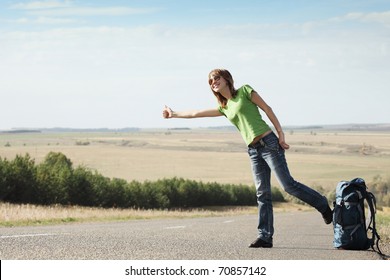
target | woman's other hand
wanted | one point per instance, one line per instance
(282, 141)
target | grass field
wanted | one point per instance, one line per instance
(26, 214)
(315, 158)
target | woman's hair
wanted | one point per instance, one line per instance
(229, 79)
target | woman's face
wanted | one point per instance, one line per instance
(217, 83)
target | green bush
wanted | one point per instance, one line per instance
(135, 194)
(100, 186)
(55, 181)
(81, 190)
(5, 188)
(149, 197)
(191, 194)
(116, 195)
(18, 179)
(54, 178)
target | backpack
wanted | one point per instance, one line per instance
(349, 221)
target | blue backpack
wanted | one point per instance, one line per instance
(349, 220)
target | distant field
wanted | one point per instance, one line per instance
(315, 158)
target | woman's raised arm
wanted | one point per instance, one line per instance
(169, 113)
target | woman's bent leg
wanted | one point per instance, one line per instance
(275, 157)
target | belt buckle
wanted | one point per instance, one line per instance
(261, 142)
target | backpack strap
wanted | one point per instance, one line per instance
(360, 205)
(371, 201)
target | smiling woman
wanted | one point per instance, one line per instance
(265, 149)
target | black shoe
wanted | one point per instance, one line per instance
(260, 243)
(328, 216)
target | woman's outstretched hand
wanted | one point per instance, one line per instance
(167, 112)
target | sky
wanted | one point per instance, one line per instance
(115, 64)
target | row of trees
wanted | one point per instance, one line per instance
(56, 181)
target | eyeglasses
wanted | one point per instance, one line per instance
(214, 79)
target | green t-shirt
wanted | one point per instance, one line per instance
(245, 115)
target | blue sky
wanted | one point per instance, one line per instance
(90, 64)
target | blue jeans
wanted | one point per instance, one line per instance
(267, 155)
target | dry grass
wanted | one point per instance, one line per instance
(25, 214)
(18, 215)
(383, 222)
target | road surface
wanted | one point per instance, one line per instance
(298, 236)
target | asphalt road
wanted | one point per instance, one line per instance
(298, 236)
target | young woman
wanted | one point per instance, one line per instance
(265, 149)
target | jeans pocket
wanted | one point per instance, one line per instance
(252, 151)
(271, 142)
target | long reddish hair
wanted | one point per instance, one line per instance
(229, 79)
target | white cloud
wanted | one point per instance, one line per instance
(23, 20)
(378, 17)
(68, 8)
(39, 5)
(51, 20)
(93, 11)
(383, 18)
(43, 20)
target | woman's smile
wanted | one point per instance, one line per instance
(215, 86)
(217, 83)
